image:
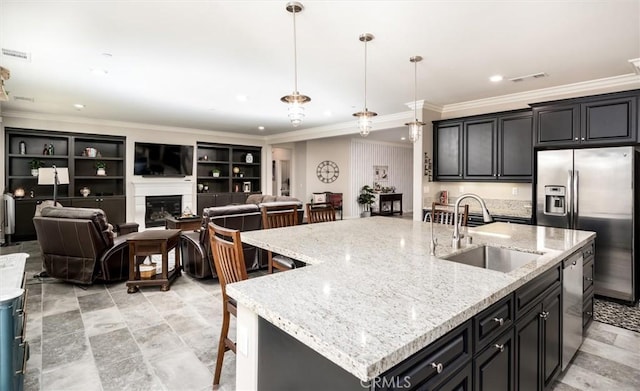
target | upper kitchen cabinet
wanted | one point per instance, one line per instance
(447, 151)
(492, 147)
(589, 121)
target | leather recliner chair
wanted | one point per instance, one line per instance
(78, 245)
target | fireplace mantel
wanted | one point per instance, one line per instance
(160, 187)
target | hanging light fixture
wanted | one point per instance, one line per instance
(415, 127)
(364, 116)
(295, 100)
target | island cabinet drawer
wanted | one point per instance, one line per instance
(432, 365)
(532, 292)
(491, 322)
(587, 309)
(587, 272)
(589, 250)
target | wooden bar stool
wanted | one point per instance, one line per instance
(278, 216)
(320, 213)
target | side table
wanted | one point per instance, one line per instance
(143, 244)
(183, 223)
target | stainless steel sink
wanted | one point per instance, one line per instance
(494, 258)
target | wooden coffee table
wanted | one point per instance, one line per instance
(183, 223)
(146, 243)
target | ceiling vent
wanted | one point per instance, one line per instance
(17, 54)
(538, 75)
(24, 99)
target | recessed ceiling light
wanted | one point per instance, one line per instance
(99, 71)
(242, 98)
(328, 113)
(260, 127)
(403, 138)
(107, 55)
(78, 106)
(496, 78)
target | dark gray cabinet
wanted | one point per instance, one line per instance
(492, 147)
(493, 369)
(113, 207)
(596, 120)
(207, 200)
(447, 151)
(588, 256)
(538, 332)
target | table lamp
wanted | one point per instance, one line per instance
(53, 176)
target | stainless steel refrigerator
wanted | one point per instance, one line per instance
(593, 190)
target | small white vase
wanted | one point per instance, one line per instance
(34, 172)
(101, 172)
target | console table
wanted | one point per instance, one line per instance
(388, 204)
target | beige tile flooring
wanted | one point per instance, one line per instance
(102, 338)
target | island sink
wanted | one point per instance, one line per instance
(494, 258)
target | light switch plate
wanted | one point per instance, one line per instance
(514, 191)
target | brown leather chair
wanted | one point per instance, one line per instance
(78, 245)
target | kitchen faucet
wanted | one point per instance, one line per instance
(486, 217)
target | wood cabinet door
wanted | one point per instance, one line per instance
(556, 125)
(528, 351)
(479, 143)
(552, 335)
(448, 145)
(515, 147)
(494, 367)
(609, 121)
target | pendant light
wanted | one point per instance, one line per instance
(295, 100)
(364, 116)
(415, 127)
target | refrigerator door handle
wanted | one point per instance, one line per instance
(576, 213)
(569, 204)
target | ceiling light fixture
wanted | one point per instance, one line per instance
(415, 127)
(295, 100)
(4, 75)
(496, 78)
(364, 116)
(78, 106)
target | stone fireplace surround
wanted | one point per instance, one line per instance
(159, 187)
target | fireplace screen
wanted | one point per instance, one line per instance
(160, 207)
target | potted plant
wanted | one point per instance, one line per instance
(215, 172)
(35, 164)
(100, 168)
(366, 198)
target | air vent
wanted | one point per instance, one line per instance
(24, 99)
(538, 75)
(17, 54)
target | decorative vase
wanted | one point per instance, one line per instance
(215, 174)
(200, 187)
(101, 172)
(85, 191)
(249, 158)
(34, 172)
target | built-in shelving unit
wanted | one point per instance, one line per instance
(71, 151)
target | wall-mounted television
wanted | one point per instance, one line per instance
(163, 159)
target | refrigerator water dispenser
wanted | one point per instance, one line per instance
(555, 202)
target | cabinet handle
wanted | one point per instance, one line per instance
(544, 315)
(589, 279)
(576, 139)
(499, 347)
(439, 367)
(583, 139)
(499, 320)
(589, 313)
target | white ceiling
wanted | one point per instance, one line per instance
(182, 63)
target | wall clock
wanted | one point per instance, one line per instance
(327, 171)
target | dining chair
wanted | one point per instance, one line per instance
(320, 213)
(228, 261)
(278, 216)
(444, 214)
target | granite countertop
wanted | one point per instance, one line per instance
(373, 295)
(11, 275)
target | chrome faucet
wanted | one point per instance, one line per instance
(434, 242)
(486, 217)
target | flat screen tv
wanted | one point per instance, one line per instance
(163, 159)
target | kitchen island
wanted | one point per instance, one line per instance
(373, 296)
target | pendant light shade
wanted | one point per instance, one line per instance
(365, 116)
(295, 100)
(415, 127)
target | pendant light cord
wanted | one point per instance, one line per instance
(295, 55)
(415, 90)
(365, 75)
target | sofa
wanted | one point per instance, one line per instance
(79, 246)
(195, 245)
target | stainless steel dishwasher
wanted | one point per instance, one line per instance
(571, 307)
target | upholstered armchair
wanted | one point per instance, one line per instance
(78, 245)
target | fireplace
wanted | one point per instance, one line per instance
(149, 187)
(160, 207)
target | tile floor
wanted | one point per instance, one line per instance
(102, 338)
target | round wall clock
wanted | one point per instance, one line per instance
(327, 171)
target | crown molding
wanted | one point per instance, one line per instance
(533, 96)
(422, 104)
(122, 124)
